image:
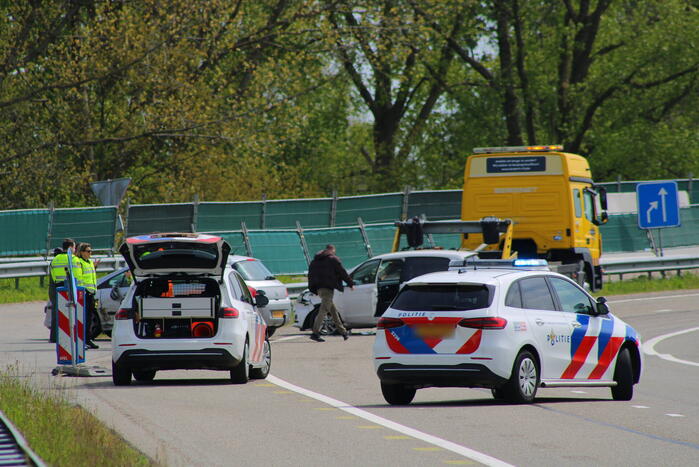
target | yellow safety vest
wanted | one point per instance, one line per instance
(88, 276)
(59, 264)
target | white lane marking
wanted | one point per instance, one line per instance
(640, 406)
(674, 415)
(664, 310)
(442, 443)
(287, 338)
(653, 298)
(649, 347)
(579, 392)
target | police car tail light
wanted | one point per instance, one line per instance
(122, 314)
(229, 313)
(387, 323)
(484, 323)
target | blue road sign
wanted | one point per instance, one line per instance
(658, 205)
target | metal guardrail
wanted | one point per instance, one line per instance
(32, 267)
(649, 265)
(14, 450)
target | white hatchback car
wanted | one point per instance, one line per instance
(376, 282)
(187, 309)
(257, 276)
(506, 329)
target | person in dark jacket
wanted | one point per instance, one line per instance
(325, 275)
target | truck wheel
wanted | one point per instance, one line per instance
(121, 376)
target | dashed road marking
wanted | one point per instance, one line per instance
(674, 415)
(429, 449)
(579, 392)
(458, 462)
(283, 392)
(369, 427)
(264, 385)
(346, 417)
(425, 437)
(640, 406)
(396, 437)
(325, 408)
(653, 298)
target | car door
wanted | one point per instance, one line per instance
(111, 291)
(357, 306)
(255, 323)
(551, 328)
(592, 335)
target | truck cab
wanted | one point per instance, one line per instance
(548, 194)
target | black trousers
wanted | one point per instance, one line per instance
(89, 316)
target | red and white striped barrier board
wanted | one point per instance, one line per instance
(64, 349)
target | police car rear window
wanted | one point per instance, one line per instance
(176, 255)
(446, 297)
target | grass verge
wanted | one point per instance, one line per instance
(29, 290)
(643, 284)
(59, 432)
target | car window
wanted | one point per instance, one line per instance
(253, 270)
(576, 202)
(514, 296)
(117, 280)
(536, 294)
(234, 286)
(246, 295)
(366, 273)
(572, 299)
(390, 270)
(446, 297)
(423, 265)
(589, 208)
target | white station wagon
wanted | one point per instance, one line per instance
(187, 309)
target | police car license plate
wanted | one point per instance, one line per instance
(277, 313)
(433, 331)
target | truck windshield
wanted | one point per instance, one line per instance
(447, 297)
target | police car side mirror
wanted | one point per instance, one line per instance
(602, 308)
(261, 298)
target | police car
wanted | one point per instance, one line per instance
(187, 309)
(512, 327)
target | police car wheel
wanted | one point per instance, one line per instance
(144, 375)
(521, 388)
(241, 373)
(397, 394)
(623, 375)
(121, 376)
(263, 371)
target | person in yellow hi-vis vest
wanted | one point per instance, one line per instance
(87, 278)
(57, 276)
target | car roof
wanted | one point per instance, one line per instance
(236, 258)
(480, 276)
(433, 253)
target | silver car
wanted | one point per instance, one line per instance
(258, 277)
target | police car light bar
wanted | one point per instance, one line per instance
(503, 149)
(523, 263)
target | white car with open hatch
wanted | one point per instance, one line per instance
(509, 326)
(187, 309)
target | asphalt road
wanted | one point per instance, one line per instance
(322, 405)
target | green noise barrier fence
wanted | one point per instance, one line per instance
(286, 234)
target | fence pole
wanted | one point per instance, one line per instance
(195, 212)
(304, 246)
(126, 220)
(618, 183)
(264, 211)
(404, 208)
(689, 186)
(49, 231)
(246, 238)
(365, 237)
(333, 209)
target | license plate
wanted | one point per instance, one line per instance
(277, 313)
(435, 331)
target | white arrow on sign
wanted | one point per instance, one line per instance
(653, 205)
(662, 194)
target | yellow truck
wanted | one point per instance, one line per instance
(551, 198)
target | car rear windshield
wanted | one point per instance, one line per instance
(253, 271)
(177, 255)
(417, 266)
(443, 297)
